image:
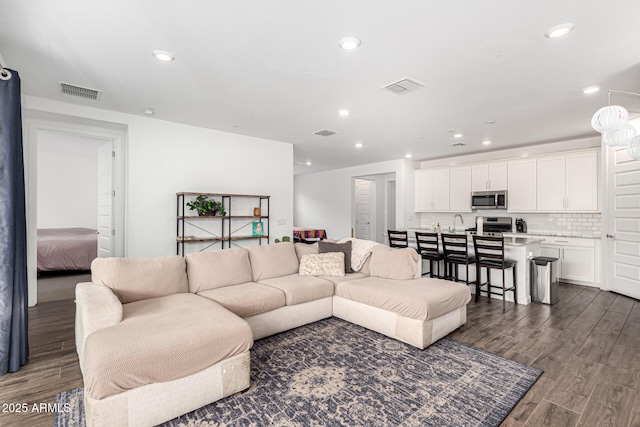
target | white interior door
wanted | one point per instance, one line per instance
(364, 209)
(623, 223)
(106, 233)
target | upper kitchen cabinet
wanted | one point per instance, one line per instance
(489, 176)
(432, 190)
(568, 182)
(460, 189)
(522, 185)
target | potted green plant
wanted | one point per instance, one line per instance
(206, 206)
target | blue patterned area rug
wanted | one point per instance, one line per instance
(334, 373)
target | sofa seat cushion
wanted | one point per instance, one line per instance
(421, 299)
(299, 289)
(247, 299)
(337, 279)
(161, 339)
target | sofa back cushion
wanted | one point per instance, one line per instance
(275, 260)
(215, 269)
(303, 249)
(394, 263)
(135, 279)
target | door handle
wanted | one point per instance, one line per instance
(611, 236)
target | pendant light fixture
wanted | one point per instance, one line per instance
(612, 122)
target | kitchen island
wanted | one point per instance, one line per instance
(515, 248)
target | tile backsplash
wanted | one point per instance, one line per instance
(579, 223)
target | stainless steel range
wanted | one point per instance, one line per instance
(493, 225)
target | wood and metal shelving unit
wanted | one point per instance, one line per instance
(226, 230)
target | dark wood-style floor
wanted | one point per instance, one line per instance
(588, 345)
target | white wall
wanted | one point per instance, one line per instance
(324, 199)
(67, 181)
(163, 158)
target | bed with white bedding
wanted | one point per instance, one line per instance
(66, 249)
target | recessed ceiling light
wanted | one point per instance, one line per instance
(408, 155)
(149, 111)
(457, 135)
(451, 130)
(308, 163)
(358, 144)
(163, 55)
(590, 89)
(486, 142)
(349, 43)
(559, 30)
(489, 122)
(344, 112)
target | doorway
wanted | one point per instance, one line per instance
(39, 124)
(67, 211)
(374, 206)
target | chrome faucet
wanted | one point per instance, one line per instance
(454, 221)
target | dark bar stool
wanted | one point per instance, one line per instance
(456, 253)
(490, 255)
(429, 249)
(398, 239)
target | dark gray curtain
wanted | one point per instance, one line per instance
(14, 346)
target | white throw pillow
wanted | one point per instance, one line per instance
(329, 264)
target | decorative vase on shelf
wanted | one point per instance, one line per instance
(257, 212)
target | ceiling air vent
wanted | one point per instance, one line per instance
(324, 132)
(403, 86)
(457, 144)
(82, 92)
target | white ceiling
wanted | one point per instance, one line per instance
(273, 69)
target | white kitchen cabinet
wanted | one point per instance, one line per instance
(568, 182)
(423, 190)
(460, 189)
(489, 176)
(550, 179)
(576, 257)
(582, 181)
(522, 185)
(431, 190)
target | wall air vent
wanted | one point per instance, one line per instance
(82, 92)
(324, 132)
(457, 144)
(403, 86)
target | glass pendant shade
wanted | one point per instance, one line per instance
(609, 118)
(620, 136)
(633, 149)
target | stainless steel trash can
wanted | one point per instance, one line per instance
(544, 280)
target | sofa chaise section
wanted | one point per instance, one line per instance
(416, 311)
(170, 352)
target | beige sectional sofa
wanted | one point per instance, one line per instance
(157, 338)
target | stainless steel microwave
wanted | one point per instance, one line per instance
(489, 200)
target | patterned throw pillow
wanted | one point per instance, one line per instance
(329, 264)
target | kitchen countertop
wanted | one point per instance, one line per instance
(558, 234)
(520, 240)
